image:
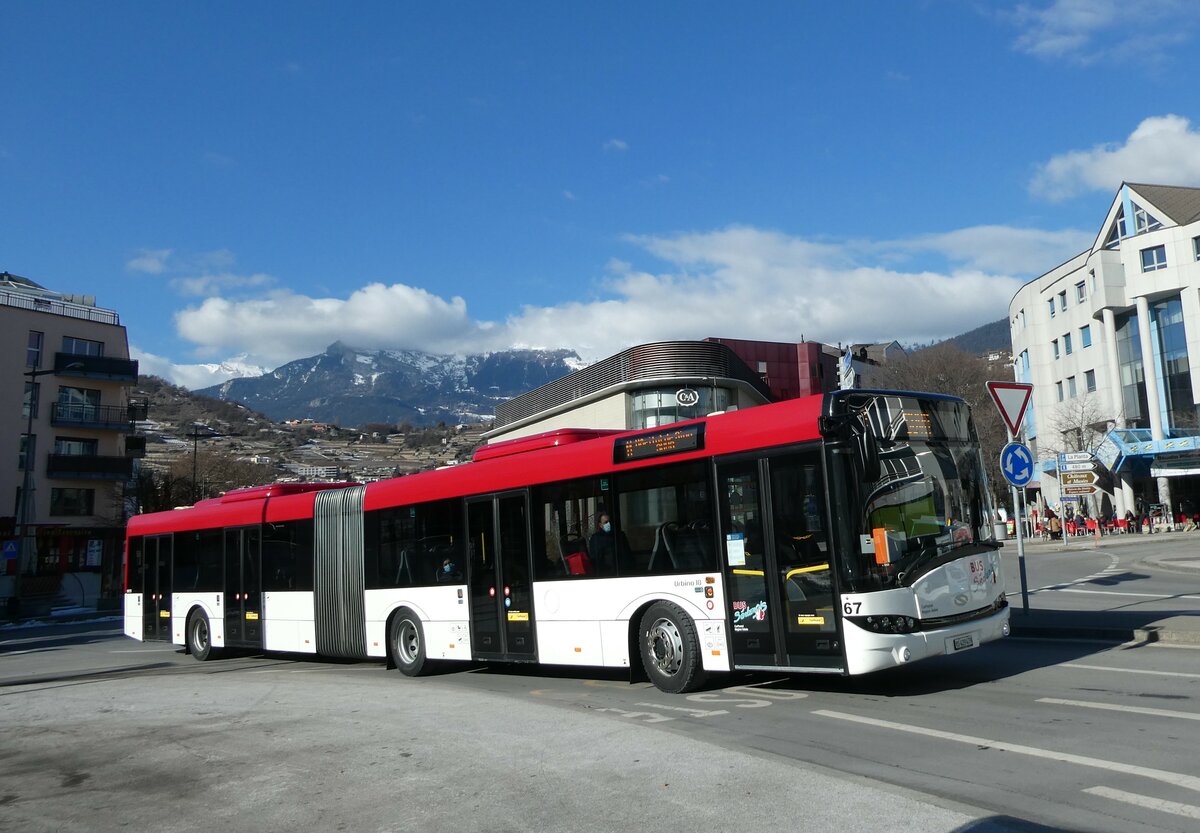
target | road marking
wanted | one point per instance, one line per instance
(1069, 588)
(650, 717)
(1184, 674)
(1174, 807)
(1177, 779)
(173, 649)
(1112, 707)
(687, 711)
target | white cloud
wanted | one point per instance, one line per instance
(205, 285)
(1000, 249)
(616, 145)
(193, 376)
(284, 326)
(1088, 31)
(1163, 150)
(150, 261)
(734, 282)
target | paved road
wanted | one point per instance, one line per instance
(102, 733)
(1144, 587)
(106, 734)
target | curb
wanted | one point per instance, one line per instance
(1146, 635)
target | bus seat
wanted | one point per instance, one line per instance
(689, 549)
(403, 569)
(660, 556)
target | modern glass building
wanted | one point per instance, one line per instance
(1107, 339)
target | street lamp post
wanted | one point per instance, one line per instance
(208, 434)
(26, 505)
(26, 484)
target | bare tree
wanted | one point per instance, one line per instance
(217, 473)
(1079, 424)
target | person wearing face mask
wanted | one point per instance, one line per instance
(604, 546)
(448, 572)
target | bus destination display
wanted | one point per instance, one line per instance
(658, 444)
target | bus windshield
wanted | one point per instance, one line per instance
(919, 490)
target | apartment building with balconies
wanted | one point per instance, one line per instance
(66, 450)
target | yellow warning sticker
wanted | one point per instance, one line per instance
(252, 615)
(810, 620)
(164, 614)
(518, 616)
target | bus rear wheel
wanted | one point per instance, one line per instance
(670, 649)
(199, 637)
(406, 644)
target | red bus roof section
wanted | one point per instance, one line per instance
(544, 458)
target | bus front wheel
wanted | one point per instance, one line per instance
(199, 636)
(406, 644)
(670, 649)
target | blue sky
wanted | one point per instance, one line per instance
(250, 182)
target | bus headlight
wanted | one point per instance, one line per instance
(885, 624)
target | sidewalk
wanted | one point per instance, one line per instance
(1177, 552)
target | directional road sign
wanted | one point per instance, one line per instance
(1075, 457)
(1078, 490)
(1012, 398)
(1078, 478)
(1016, 463)
(1076, 466)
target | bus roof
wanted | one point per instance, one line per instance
(544, 458)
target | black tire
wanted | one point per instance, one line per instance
(406, 644)
(670, 649)
(199, 637)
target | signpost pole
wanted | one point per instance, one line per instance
(1020, 547)
(1062, 504)
(1011, 399)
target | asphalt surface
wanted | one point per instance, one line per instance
(1169, 552)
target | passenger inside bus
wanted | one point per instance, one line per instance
(449, 572)
(607, 547)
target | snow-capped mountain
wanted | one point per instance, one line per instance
(348, 386)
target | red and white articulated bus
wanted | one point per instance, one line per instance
(843, 533)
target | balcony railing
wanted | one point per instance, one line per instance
(96, 367)
(24, 300)
(88, 467)
(98, 417)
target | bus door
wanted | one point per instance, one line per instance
(499, 578)
(243, 587)
(777, 563)
(156, 588)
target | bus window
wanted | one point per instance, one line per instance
(665, 515)
(135, 571)
(411, 546)
(571, 543)
(288, 555)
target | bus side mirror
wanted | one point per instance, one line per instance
(868, 452)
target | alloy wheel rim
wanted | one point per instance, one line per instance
(666, 643)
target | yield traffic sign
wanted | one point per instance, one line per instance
(1011, 398)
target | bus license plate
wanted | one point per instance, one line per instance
(962, 643)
